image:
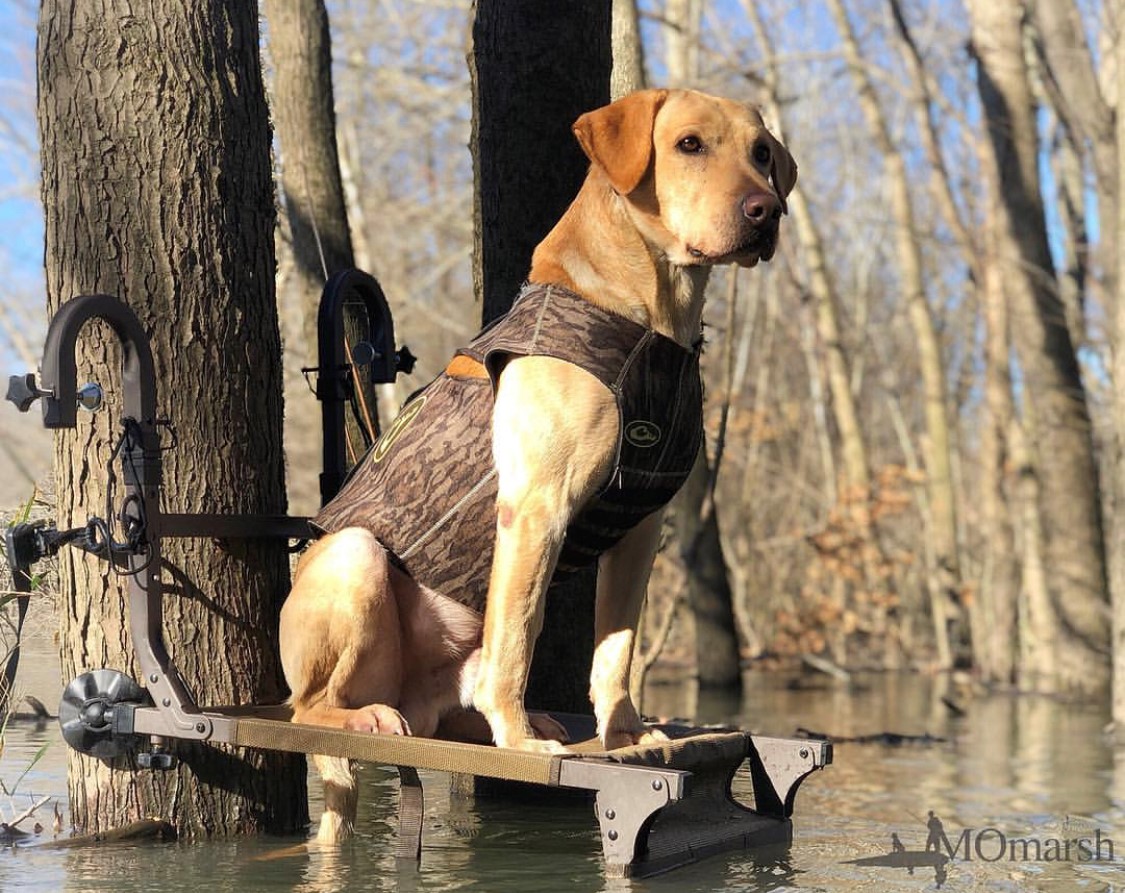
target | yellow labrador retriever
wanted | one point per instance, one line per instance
(551, 441)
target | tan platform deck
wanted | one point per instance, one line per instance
(658, 807)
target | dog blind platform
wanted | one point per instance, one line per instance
(657, 806)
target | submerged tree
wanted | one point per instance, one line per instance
(158, 191)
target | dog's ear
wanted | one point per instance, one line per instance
(618, 137)
(783, 172)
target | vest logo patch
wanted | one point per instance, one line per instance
(642, 434)
(394, 432)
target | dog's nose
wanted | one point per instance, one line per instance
(760, 208)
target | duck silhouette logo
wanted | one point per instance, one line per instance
(642, 434)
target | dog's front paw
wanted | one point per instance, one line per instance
(540, 734)
(615, 738)
(377, 718)
(537, 745)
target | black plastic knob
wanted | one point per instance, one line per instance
(22, 391)
(157, 760)
(405, 360)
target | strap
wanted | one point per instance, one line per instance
(21, 582)
(411, 812)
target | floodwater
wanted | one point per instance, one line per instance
(1011, 768)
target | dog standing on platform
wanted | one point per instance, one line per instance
(574, 419)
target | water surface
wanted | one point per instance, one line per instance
(1021, 768)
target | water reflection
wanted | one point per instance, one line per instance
(1029, 767)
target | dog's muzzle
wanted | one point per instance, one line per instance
(759, 244)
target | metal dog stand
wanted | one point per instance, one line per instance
(658, 807)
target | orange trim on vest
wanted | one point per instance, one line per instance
(462, 366)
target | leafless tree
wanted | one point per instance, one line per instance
(1057, 417)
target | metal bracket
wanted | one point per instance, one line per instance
(176, 714)
(334, 383)
(627, 801)
(777, 768)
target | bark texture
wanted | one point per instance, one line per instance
(1057, 418)
(157, 190)
(535, 68)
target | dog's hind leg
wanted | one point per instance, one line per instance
(341, 651)
(341, 796)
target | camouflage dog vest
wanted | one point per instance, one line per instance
(427, 488)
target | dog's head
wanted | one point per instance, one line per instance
(704, 179)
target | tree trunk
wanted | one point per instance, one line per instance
(535, 68)
(1117, 567)
(316, 212)
(1058, 420)
(924, 105)
(994, 626)
(708, 586)
(682, 20)
(1072, 87)
(944, 571)
(157, 189)
(1037, 620)
(628, 51)
(302, 105)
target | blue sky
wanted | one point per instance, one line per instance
(21, 217)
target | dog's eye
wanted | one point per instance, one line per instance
(762, 153)
(690, 145)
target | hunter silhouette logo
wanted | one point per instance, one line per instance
(990, 844)
(394, 432)
(901, 857)
(642, 434)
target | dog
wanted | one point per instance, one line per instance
(420, 606)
